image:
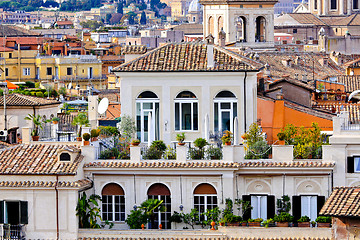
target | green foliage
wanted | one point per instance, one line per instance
(257, 147)
(80, 120)
(95, 133)
(143, 18)
(283, 204)
(227, 137)
(307, 141)
(283, 217)
(214, 153)
(191, 218)
(196, 154)
(227, 213)
(136, 218)
(92, 24)
(180, 137)
(170, 153)
(88, 211)
(323, 219)
(135, 141)
(304, 219)
(244, 206)
(109, 131)
(62, 91)
(200, 143)
(268, 222)
(212, 215)
(149, 207)
(127, 127)
(79, 5)
(37, 85)
(155, 151)
(281, 136)
(29, 84)
(176, 217)
(159, 145)
(86, 136)
(256, 220)
(40, 94)
(106, 154)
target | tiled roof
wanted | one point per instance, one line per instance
(49, 184)
(307, 19)
(190, 28)
(23, 40)
(293, 81)
(134, 49)
(352, 83)
(188, 57)
(113, 112)
(343, 202)
(352, 20)
(16, 99)
(10, 31)
(37, 159)
(112, 58)
(64, 23)
(207, 164)
(352, 108)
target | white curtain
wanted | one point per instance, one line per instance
(309, 207)
(259, 204)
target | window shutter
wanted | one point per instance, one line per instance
(247, 198)
(24, 212)
(296, 207)
(270, 206)
(320, 203)
(1, 211)
(350, 164)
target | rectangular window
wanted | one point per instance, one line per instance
(186, 116)
(259, 204)
(357, 164)
(26, 71)
(204, 202)
(110, 68)
(355, 4)
(6, 72)
(13, 212)
(69, 71)
(333, 4)
(10, 55)
(309, 207)
(90, 72)
(113, 208)
(49, 71)
(315, 4)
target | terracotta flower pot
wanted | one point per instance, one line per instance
(304, 224)
(227, 143)
(35, 138)
(55, 122)
(323, 225)
(181, 143)
(254, 224)
(86, 143)
(282, 224)
(281, 142)
(135, 144)
(112, 157)
(79, 139)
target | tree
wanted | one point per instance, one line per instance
(120, 8)
(127, 127)
(143, 18)
(38, 123)
(108, 17)
(257, 147)
(80, 120)
(149, 207)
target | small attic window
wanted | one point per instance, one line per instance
(65, 157)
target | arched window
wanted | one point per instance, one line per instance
(260, 35)
(113, 203)
(211, 26)
(220, 23)
(225, 110)
(205, 197)
(147, 103)
(186, 112)
(241, 29)
(161, 192)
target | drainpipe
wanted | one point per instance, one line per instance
(57, 207)
(245, 101)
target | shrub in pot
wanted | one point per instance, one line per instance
(283, 219)
(55, 120)
(86, 137)
(214, 153)
(94, 133)
(323, 221)
(226, 138)
(135, 142)
(304, 221)
(255, 222)
(180, 137)
(198, 152)
(155, 151)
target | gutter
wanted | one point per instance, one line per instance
(57, 207)
(245, 101)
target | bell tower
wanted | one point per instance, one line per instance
(245, 23)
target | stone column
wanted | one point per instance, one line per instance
(181, 153)
(26, 135)
(228, 153)
(135, 153)
(282, 153)
(349, 7)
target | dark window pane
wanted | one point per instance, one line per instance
(195, 108)
(177, 116)
(186, 116)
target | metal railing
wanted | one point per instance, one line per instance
(350, 126)
(12, 232)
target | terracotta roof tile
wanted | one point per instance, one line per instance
(16, 99)
(307, 18)
(46, 184)
(352, 108)
(206, 164)
(134, 49)
(30, 159)
(10, 31)
(343, 202)
(188, 57)
(352, 83)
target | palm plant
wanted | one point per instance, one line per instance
(80, 120)
(88, 215)
(150, 206)
(38, 123)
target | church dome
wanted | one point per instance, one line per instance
(194, 6)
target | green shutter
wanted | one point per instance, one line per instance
(24, 212)
(2, 211)
(270, 206)
(247, 215)
(296, 207)
(320, 203)
(350, 164)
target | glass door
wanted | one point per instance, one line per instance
(143, 109)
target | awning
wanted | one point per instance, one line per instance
(10, 85)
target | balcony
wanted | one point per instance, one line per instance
(13, 232)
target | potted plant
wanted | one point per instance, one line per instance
(255, 222)
(313, 223)
(304, 221)
(80, 120)
(180, 137)
(38, 124)
(198, 153)
(281, 136)
(268, 223)
(135, 142)
(94, 133)
(323, 221)
(283, 219)
(214, 153)
(55, 120)
(86, 137)
(226, 138)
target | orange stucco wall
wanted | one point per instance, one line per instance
(274, 116)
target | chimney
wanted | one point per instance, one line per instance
(222, 36)
(210, 51)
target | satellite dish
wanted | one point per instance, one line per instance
(103, 106)
(69, 86)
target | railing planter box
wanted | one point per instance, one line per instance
(254, 224)
(35, 138)
(282, 224)
(323, 225)
(304, 224)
